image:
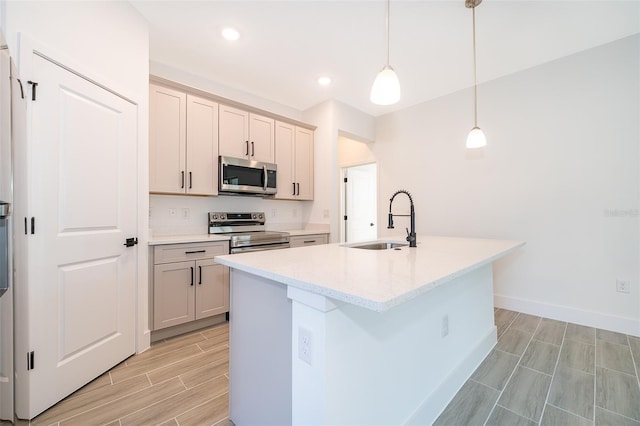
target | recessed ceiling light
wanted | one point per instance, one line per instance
(324, 81)
(230, 34)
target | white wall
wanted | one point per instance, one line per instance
(334, 119)
(108, 42)
(561, 172)
(208, 85)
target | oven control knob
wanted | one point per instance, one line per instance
(254, 216)
(222, 217)
(215, 217)
(260, 216)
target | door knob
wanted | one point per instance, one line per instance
(371, 224)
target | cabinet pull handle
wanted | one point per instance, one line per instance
(182, 180)
(195, 251)
(253, 149)
(200, 275)
(309, 241)
(190, 181)
(294, 188)
(192, 275)
(247, 153)
(298, 186)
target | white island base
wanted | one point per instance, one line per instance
(301, 358)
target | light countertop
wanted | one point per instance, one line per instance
(205, 238)
(178, 239)
(373, 279)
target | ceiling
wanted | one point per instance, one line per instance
(285, 46)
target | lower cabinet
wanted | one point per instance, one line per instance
(188, 284)
(308, 240)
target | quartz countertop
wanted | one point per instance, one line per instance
(204, 238)
(373, 279)
(178, 239)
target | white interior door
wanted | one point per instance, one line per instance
(81, 285)
(361, 203)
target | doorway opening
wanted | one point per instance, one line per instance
(359, 204)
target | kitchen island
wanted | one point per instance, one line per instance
(333, 334)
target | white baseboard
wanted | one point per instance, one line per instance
(569, 314)
(438, 400)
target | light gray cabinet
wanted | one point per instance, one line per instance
(188, 284)
(246, 135)
(294, 156)
(183, 143)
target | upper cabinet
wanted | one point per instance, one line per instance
(183, 143)
(294, 157)
(189, 129)
(246, 135)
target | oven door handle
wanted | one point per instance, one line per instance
(266, 178)
(259, 248)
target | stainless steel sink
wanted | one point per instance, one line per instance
(378, 246)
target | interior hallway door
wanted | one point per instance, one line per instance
(82, 206)
(361, 203)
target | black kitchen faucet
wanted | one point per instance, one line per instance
(411, 236)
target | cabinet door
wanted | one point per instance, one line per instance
(285, 138)
(261, 138)
(304, 164)
(212, 288)
(173, 294)
(234, 132)
(167, 139)
(202, 146)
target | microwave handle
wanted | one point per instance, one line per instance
(266, 178)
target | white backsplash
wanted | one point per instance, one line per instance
(182, 215)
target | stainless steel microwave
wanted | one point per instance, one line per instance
(240, 176)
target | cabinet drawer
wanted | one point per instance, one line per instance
(308, 240)
(192, 251)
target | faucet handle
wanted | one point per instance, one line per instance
(410, 237)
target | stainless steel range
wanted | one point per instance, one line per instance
(247, 231)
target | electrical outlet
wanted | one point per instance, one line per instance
(274, 212)
(186, 213)
(295, 213)
(445, 326)
(325, 213)
(173, 212)
(623, 286)
(305, 345)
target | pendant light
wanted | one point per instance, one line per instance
(386, 87)
(476, 137)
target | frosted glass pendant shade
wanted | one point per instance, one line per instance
(476, 138)
(386, 87)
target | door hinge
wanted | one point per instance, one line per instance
(345, 217)
(30, 361)
(130, 242)
(33, 89)
(345, 180)
(33, 226)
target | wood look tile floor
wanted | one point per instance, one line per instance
(179, 381)
(546, 372)
(541, 372)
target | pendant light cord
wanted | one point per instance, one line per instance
(387, 23)
(475, 80)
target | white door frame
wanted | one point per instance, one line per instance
(343, 201)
